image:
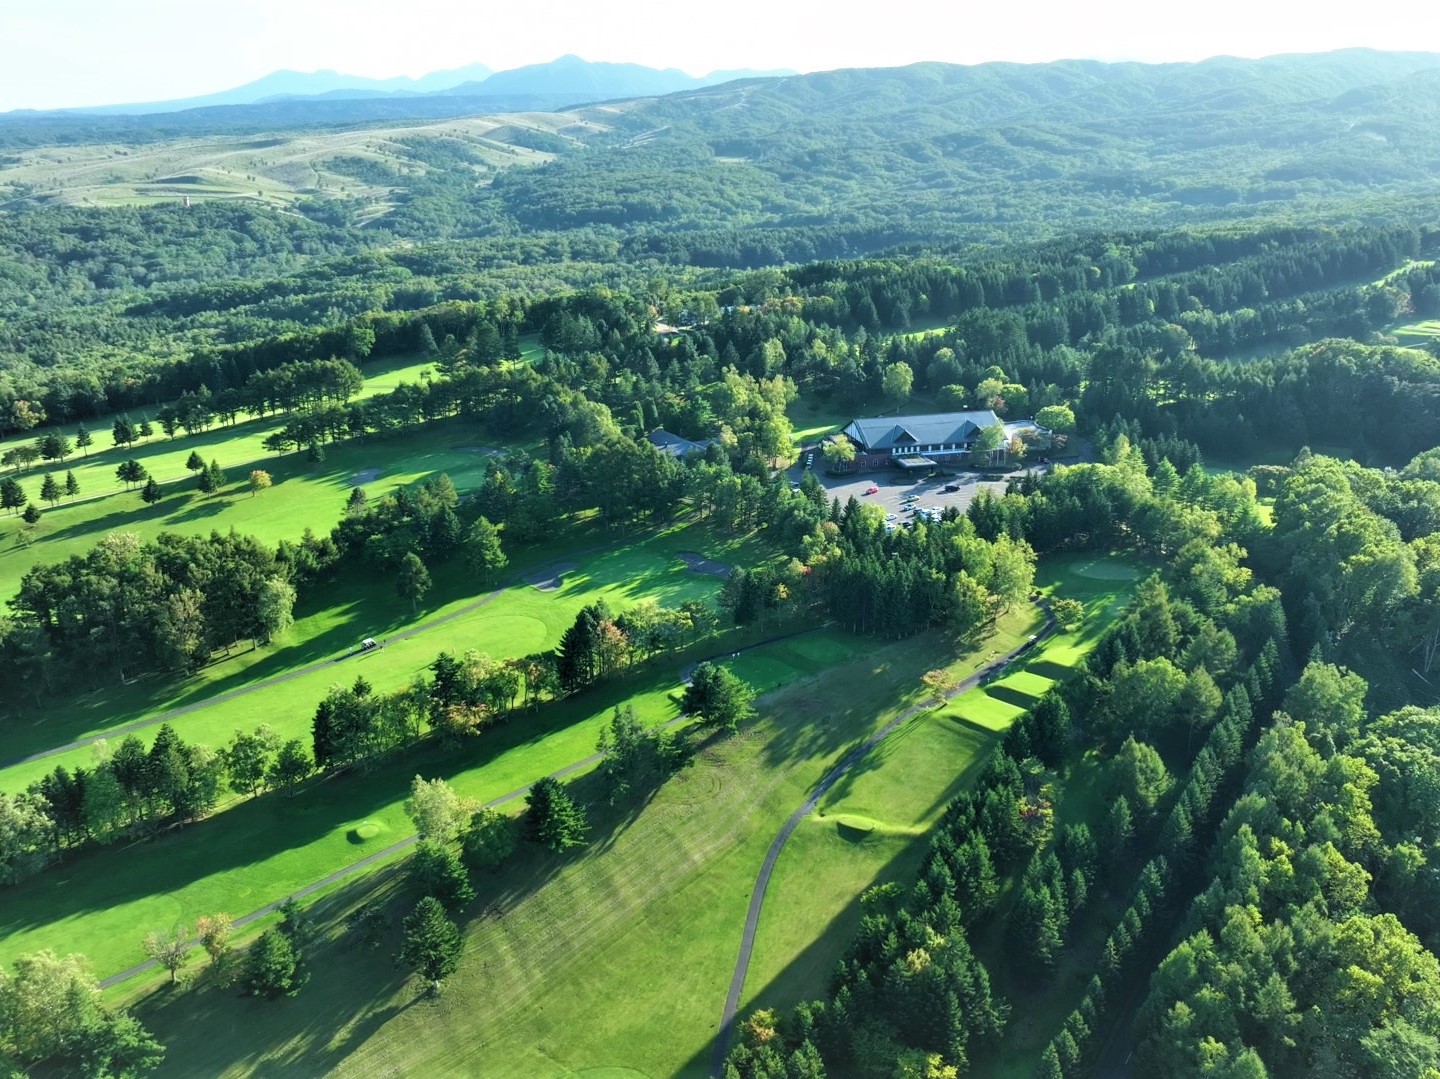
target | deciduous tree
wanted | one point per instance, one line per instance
(412, 580)
(436, 810)
(171, 949)
(130, 473)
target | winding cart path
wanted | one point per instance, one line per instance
(772, 856)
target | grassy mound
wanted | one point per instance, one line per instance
(365, 831)
(852, 826)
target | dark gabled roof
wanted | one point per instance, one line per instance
(881, 434)
(674, 445)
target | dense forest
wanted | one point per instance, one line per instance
(1224, 819)
(756, 173)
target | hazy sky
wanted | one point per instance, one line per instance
(88, 52)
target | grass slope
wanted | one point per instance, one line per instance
(304, 495)
(570, 961)
(275, 170)
(573, 959)
(520, 620)
(873, 825)
(262, 849)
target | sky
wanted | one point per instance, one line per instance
(57, 53)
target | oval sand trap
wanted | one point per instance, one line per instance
(1103, 569)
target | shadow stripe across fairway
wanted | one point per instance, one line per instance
(767, 868)
(410, 841)
(280, 679)
(349, 870)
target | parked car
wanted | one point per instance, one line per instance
(951, 488)
(872, 489)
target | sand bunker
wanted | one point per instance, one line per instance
(698, 563)
(368, 475)
(550, 578)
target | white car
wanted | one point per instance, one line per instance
(890, 517)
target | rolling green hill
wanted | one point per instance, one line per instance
(95, 242)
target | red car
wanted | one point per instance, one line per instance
(872, 489)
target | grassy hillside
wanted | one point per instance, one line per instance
(365, 164)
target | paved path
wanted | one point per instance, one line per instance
(299, 672)
(397, 847)
(348, 871)
(767, 868)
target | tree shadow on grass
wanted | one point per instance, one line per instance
(808, 975)
(1046, 668)
(108, 707)
(352, 993)
(254, 831)
(207, 508)
(1010, 695)
(974, 737)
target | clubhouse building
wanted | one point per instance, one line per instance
(921, 443)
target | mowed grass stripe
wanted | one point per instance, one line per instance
(520, 620)
(577, 957)
(903, 786)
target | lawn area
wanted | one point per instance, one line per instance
(262, 849)
(520, 620)
(873, 825)
(1418, 333)
(568, 959)
(304, 494)
(925, 327)
(575, 958)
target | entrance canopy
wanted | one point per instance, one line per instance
(913, 464)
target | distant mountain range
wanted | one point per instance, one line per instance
(567, 80)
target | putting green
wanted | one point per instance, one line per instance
(1105, 569)
(522, 634)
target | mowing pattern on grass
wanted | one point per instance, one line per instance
(767, 868)
(370, 829)
(810, 913)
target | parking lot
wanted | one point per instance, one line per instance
(892, 488)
